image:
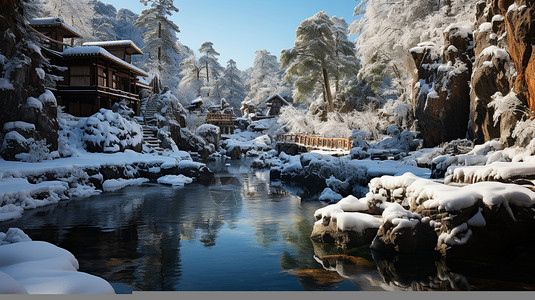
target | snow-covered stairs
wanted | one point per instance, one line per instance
(150, 126)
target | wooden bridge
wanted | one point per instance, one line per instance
(316, 142)
(224, 121)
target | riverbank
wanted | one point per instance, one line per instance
(25, 185)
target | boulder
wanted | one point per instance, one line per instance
(326, 230)
(210, 133)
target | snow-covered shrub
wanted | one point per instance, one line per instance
(107, 131)
(123, 109)
(38, 152)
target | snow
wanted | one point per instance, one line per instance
(477, 220)
(17, 194)
(485, 27)
(357, 222)
(498, 18)
(389, 167)
(114, 43)
(5, 84)
(54, 21)
(329, 195)
(35, 103)
(496, 52)
(95, 50)
(347, 204)
(40, 73)
(500, 171)
(458, 235)
(9, 126)
(456, 30)
(111, 185)
(36, 267)
(48, 97)
(110, 130)
(175, 180)
(15, 136)
(433, 194)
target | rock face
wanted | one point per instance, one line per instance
(453, 92)
(504, 40)
(493, 72)
(22, 89)
(520, 25)
(441, 87)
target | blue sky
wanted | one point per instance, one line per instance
(240, 27)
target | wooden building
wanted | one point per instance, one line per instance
(54, 31)
(97, 75)
(274, 105)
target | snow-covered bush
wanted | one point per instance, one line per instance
(109, 132)
(123, 109)
(38, 152)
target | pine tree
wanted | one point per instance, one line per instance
(347, 66)
(191, 83)
(233, 87)
(160, 40)
(313, 61)
(265, 78)
(212, 71)
(209, 61)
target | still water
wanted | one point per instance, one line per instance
(240, 233)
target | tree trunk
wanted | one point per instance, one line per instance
(327, 85)
(207, 72)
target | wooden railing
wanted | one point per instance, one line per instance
(220, 118)
(318, 142)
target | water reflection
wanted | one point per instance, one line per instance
(239, 233)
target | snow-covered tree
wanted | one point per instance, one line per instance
(212, 68)
(212, 71)
(265, 79)
(388, 29)
(320, 58)
(233, 87)
(347, 66)
(191, 83)
(160, 40)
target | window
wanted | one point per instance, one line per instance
(102, 77)
(80, 76)
(115, 81)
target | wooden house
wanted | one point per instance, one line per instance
(274, 104)
(97, 75)
(54, 31)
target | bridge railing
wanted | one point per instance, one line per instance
(219, 117)
(318, 142)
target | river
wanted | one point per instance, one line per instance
(241, 233)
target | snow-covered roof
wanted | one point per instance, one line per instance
(196, 100)
(54, 21)
(120, 43)
(277, 96)
(95, 50)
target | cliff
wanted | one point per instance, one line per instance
(490, 91)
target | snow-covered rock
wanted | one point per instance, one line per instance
(33, 267)
(424, 215)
